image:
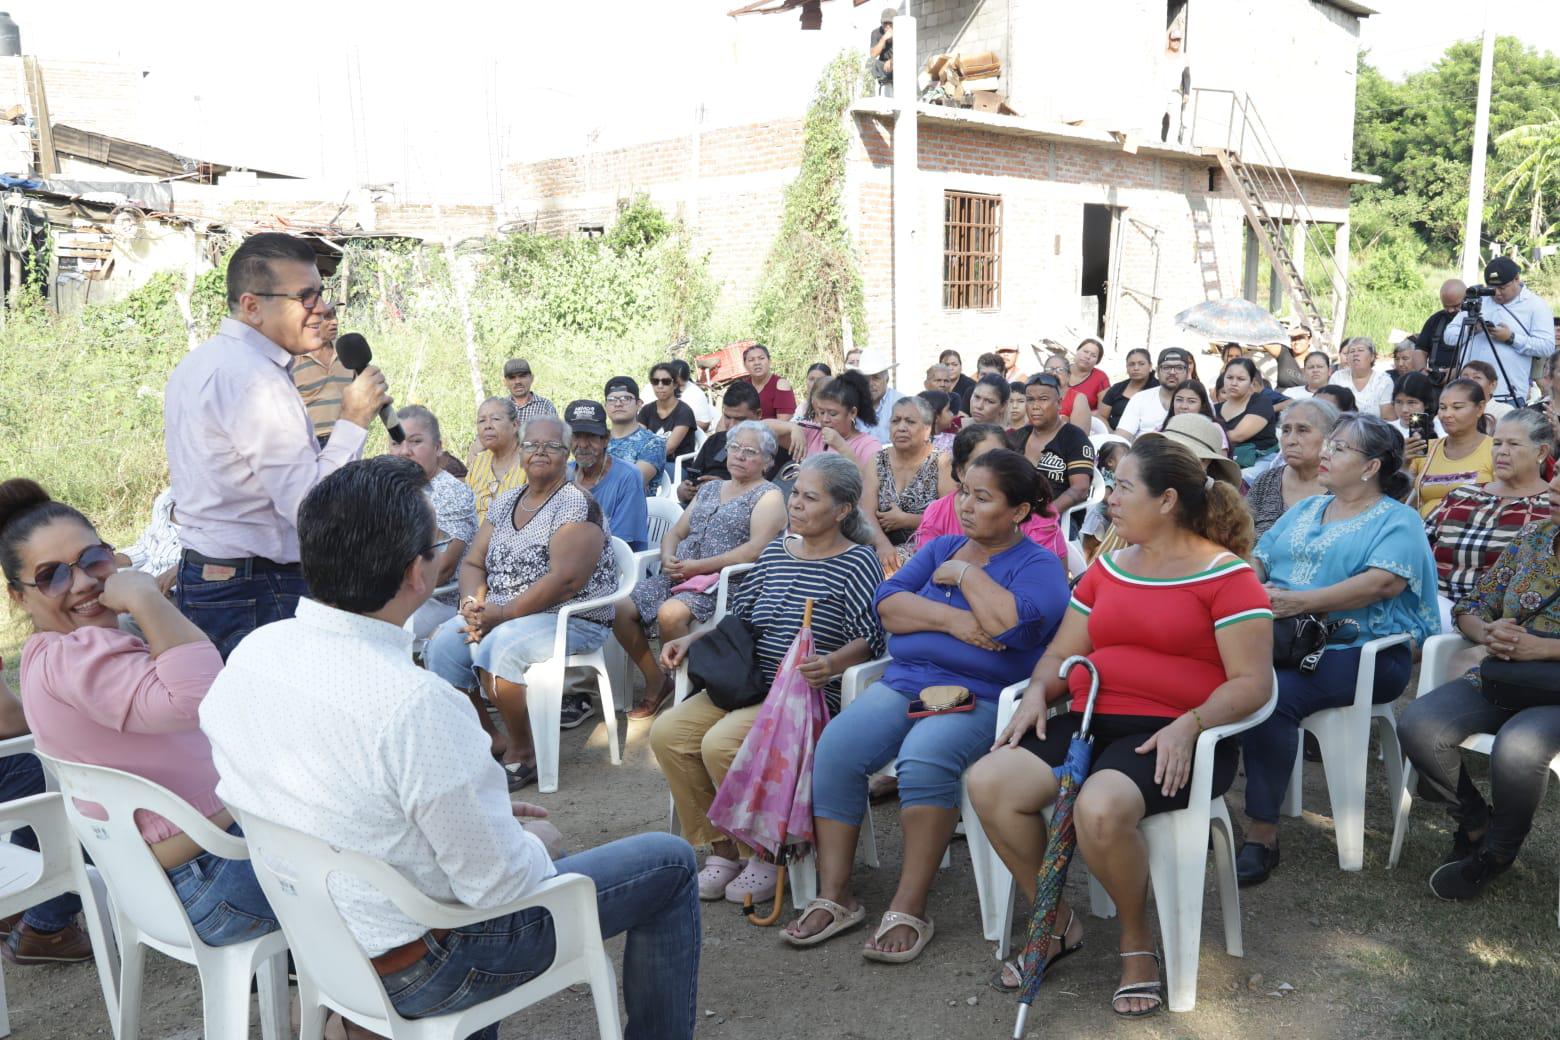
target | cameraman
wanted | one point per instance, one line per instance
(1515, 326)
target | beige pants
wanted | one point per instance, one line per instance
(695, 743)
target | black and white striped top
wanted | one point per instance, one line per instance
(771, 598)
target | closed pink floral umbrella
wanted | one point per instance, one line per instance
(766, 799)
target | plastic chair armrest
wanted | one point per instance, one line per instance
(858, 677)
(19, 745)
(648, 562)
(1436, 658)
(723, 588)
(1208, 740)
(1007, 703)
(1365, 682)
(569, 898)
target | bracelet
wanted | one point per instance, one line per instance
(1197, 719)
(959, 584)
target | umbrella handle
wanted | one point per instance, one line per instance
(807, 607)
(1094, 687)
(774, 912)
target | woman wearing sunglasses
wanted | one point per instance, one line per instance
(666, 416)
(101, 696)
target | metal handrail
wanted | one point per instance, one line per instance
(1267, 166)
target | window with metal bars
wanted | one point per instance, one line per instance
(972, 251)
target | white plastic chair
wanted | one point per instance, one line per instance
(28, 878)
(1344, 737)
(662, 514)
(1178, 845)
(699, 437)
(334, 973)
(421, 645)
(545, 680)
(1435, 670)
(148, 913)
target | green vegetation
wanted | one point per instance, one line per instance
(811, 287)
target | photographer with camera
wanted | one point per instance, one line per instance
(1508, 326)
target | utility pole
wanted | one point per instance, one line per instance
(1471, 267)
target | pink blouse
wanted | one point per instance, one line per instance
(862, 446)
(941, 517)
(98, 696)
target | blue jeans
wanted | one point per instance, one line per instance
(933, 752)
(223, 898)
(1269, 749)
(229, 610)
(507, 651)
(20, 776)
(645, 886)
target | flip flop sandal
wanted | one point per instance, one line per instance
(718, 872)
(754, 881)
(999, 981)
(891, 920)
(1154, 991)
(840, 920)
(520, 775)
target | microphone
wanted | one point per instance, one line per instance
(355, 354)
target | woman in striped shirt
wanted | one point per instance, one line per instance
(826, 557)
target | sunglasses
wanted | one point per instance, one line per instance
(53, 579)
(661, 382)
(1044, 379)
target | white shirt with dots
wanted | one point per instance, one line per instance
(323, 723)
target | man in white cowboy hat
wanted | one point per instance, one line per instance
(875, 365)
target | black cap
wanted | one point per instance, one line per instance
(1174, 354)
(586, 417)
(1501, 270)
(621, 383)
(517, 367)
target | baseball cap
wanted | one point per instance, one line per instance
(1300, 330)
(889, 14)
(587, 417)
(1174, 354)
(621, 383)
(871, 362)
(1501, 270)
(517, 367)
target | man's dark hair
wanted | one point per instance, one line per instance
(740, 394)
(360, 527)
(249, 269)
(991, 361)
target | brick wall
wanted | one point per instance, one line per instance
(959, 27)
(92, 95)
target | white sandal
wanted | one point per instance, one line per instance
(891, 920)
(840, 920)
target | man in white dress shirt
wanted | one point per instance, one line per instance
(241, 448)
(322, 722)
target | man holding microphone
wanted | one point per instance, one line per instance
(241, 448)
(1517, 326)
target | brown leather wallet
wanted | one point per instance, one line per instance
(403, 957)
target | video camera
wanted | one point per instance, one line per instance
(1473, 299)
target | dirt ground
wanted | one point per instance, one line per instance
(1367, 954)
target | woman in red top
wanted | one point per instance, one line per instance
(1182, 634)
(1087, 379)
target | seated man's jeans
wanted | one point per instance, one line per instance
(645, 886)
(20, 776)
(223, 898)
(229, 610)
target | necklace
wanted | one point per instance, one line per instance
(520, 502)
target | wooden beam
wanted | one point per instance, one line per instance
(48, 162)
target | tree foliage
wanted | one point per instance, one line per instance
(1417, 136)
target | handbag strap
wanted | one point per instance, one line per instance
(1424, 470)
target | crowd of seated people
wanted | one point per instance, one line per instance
(929, 530)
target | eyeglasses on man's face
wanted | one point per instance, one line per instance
(309, 298)
(549, 447)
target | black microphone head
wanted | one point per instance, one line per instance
(353, 352)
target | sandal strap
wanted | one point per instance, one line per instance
(893, 919)
(1141, 953)
(1143, 990)
(835, 911)
(1072, 915)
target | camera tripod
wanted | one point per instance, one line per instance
(1473, 323)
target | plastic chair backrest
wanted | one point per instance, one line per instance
(137, 882)
(627, 567)
(294, 871)
(663, 513)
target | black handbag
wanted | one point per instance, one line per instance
(1515, 685)
(1298, 642)
(724, 664)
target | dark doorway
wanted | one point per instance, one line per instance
(1098, 224)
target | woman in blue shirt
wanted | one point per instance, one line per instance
(1359, 556)
(974, 610)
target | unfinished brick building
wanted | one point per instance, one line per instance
(1136, 178)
